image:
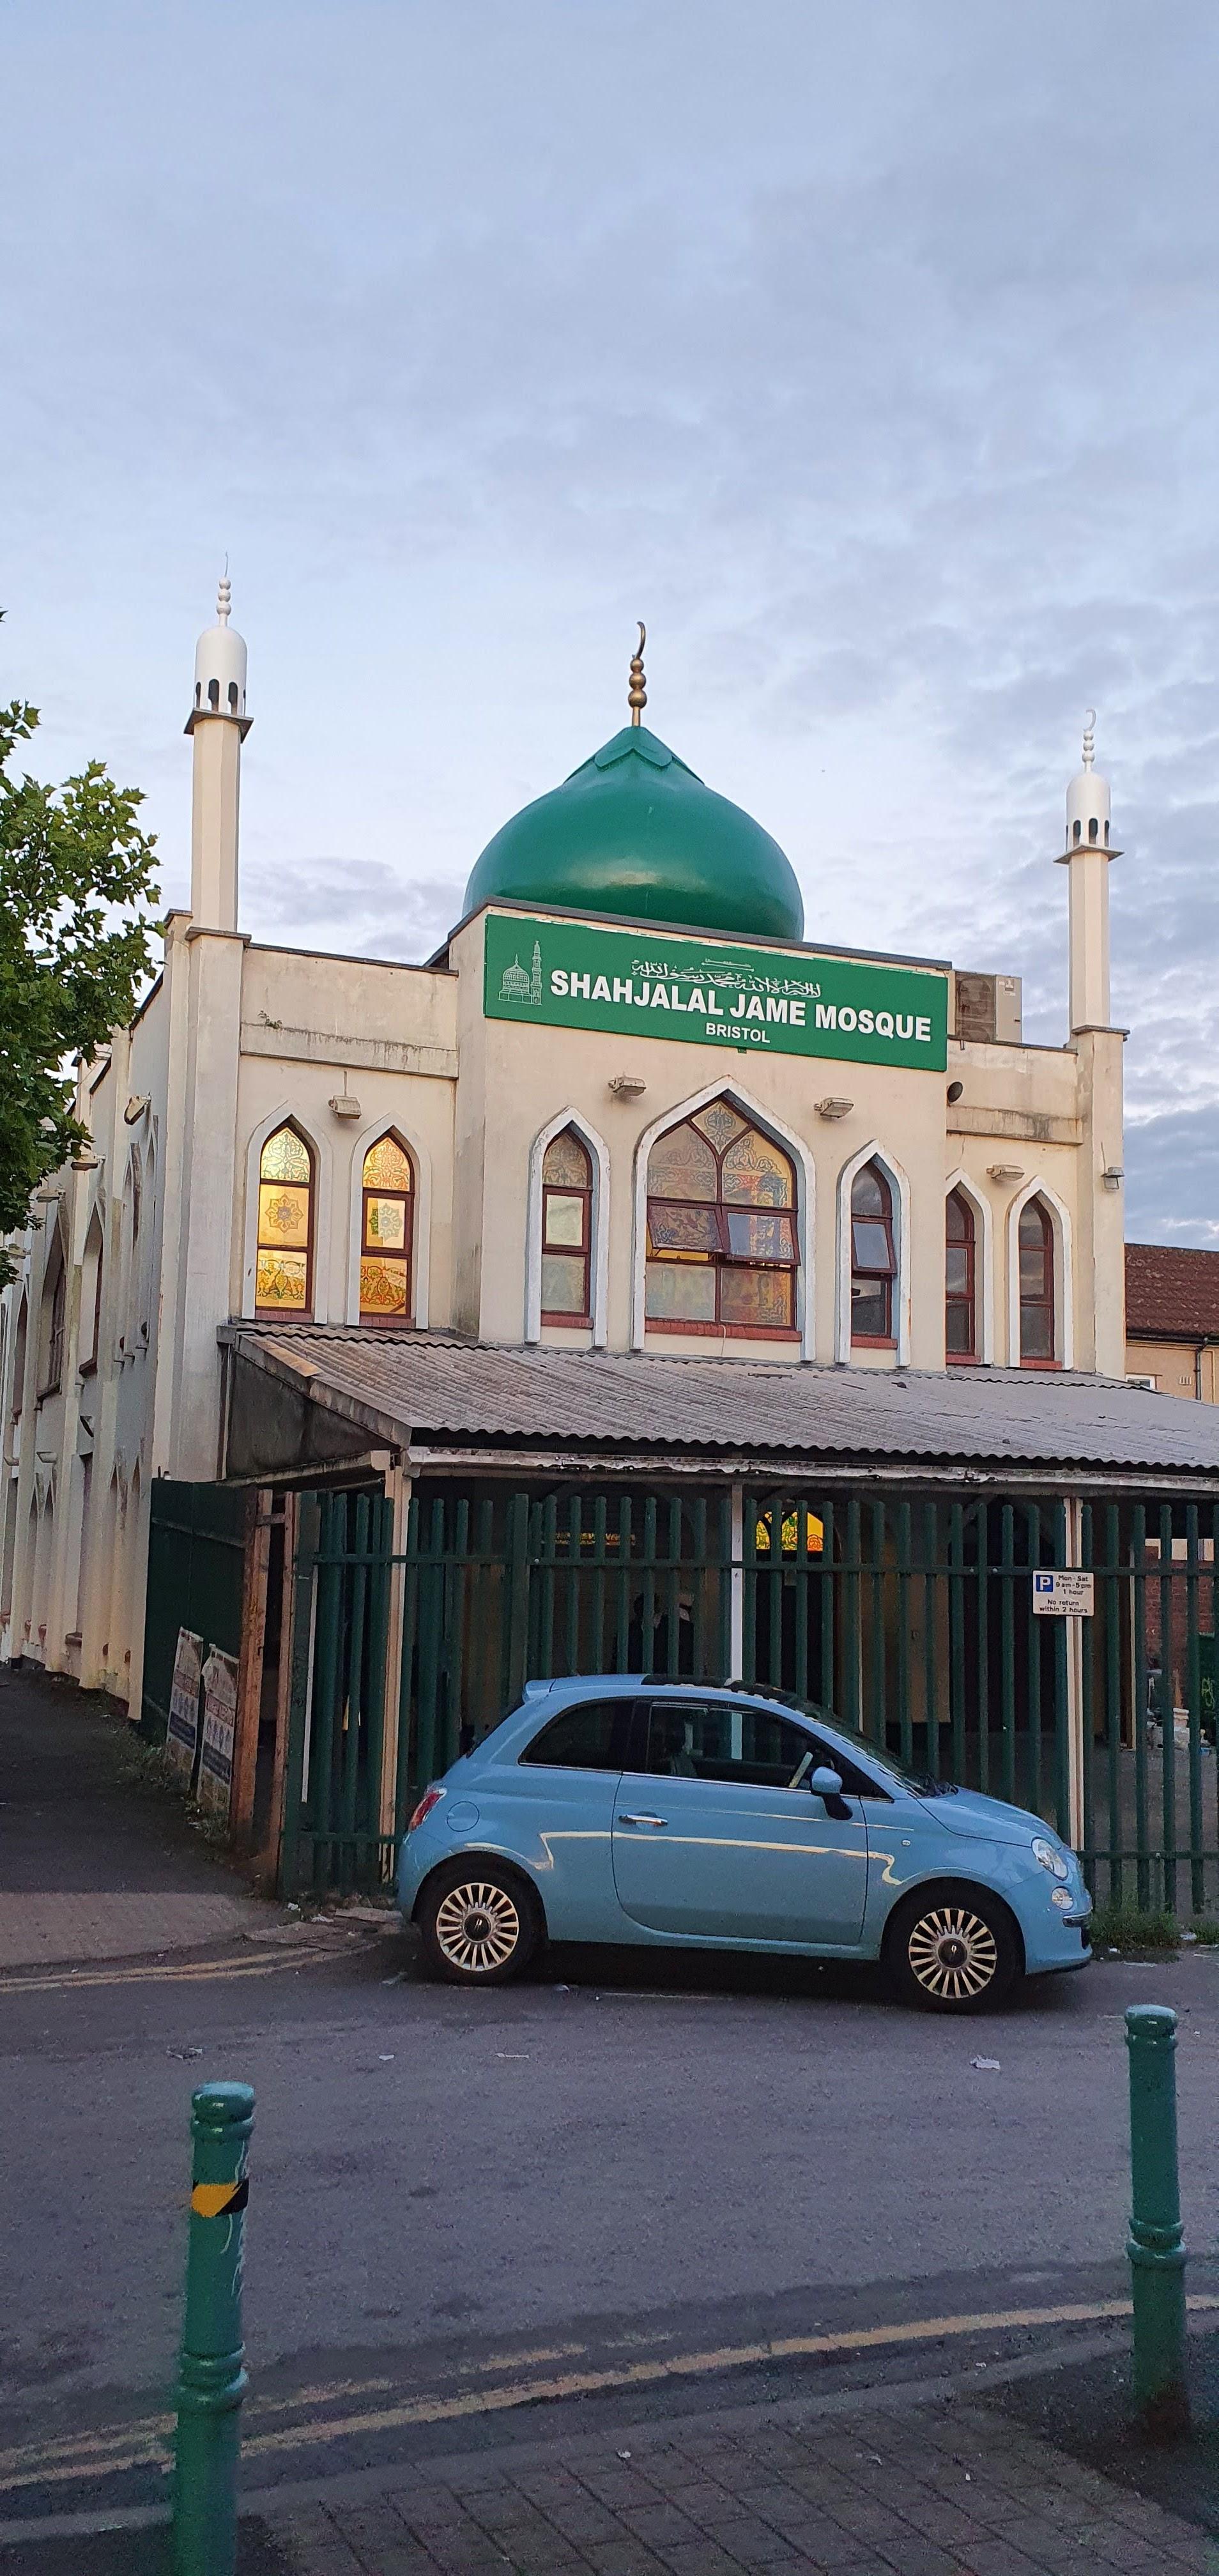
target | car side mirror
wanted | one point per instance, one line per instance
(826, 1783)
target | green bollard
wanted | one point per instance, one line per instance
(1155, 2244)
(212, 2380)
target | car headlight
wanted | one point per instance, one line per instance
(1050, 1857)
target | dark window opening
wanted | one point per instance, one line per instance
(960, 1301)
(1036, 1253)
(873, 1256)
(592, 1737)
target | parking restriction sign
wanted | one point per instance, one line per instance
(1064, 1593)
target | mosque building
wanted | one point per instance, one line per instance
(633, 1190)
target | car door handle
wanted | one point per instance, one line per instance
(643, 1820)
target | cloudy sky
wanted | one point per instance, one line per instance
(870, 354)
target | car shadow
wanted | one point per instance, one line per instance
(633, 1970)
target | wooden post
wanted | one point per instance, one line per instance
(249, 1669)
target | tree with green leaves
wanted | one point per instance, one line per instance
(77, 905)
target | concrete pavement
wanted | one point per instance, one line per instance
(90, 1868)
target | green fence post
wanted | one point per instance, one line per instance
(212, 2380)
(1155, 2243)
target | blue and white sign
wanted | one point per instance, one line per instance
(1063, 1593)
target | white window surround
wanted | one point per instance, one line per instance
(1064, 1299)
(287, 1113)
(984, 1266)
(874, 1152)
(805, 1211)
(599, 1214)
(421, 1247)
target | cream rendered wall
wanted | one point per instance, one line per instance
(314, 1028)
(1036, 1109)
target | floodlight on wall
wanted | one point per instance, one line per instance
(135, 1108)
(834, 1107)
(627, 1086)
(344, 1104)
(85, 1159)
(1007, 1171)
(1113, 1176)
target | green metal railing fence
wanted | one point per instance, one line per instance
(910, 1616)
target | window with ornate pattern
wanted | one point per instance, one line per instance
(721, 1251)
(1036, 1254)
(873, 1256)
(960, 1281)
(284, 1274)
(567, 1230)
(386, 1233)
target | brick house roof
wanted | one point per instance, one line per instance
(1171, 1290)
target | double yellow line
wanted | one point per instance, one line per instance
(145, 2443)
(260, 1963)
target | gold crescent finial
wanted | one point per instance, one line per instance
(637, 696)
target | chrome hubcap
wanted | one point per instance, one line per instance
(953, 1954)
(477, 1927)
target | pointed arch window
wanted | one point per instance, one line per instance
(284, 1276)
(960, 1279)
(55, 1308)
(567, 1230)
(873, 1256)
(1036, 1255)
(721, 1253)
(387, 1232)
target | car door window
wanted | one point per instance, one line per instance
(855, 1783)
(732, 1741)
(592, 1736)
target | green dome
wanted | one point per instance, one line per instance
(634, 831)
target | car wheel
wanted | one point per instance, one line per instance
(952, 1950)
(480, 1923)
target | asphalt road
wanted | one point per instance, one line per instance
(572, 2186)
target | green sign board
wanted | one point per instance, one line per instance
(650, 983)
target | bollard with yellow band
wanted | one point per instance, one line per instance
(212, 2379)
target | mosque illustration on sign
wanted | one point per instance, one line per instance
(517, 986)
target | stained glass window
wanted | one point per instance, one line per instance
(284, 1261)
(721, 1226)
(385, 1238)
(567, 1210)
(960, 1321)
(873, 1256)
(1036, 1245)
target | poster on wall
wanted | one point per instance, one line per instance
(182, 1737)
(219, 1730)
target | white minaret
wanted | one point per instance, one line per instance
(1086, 859)
(219, 724)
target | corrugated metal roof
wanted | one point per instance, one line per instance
(439, 1387)
(1171, 1288)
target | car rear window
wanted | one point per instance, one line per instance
(590, 1737)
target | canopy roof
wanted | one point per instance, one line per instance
(434, 1393)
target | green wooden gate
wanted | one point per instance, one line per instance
(910, 1616)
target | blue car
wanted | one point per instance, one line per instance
(623, 1808)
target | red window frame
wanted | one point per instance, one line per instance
(581, 1251)
(296, 1314)
(961, 1300)
(1043, 1304)
(722, 1258)
(55, 1335)
(869, 1274)
(369, 1319)
(88, 1365)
